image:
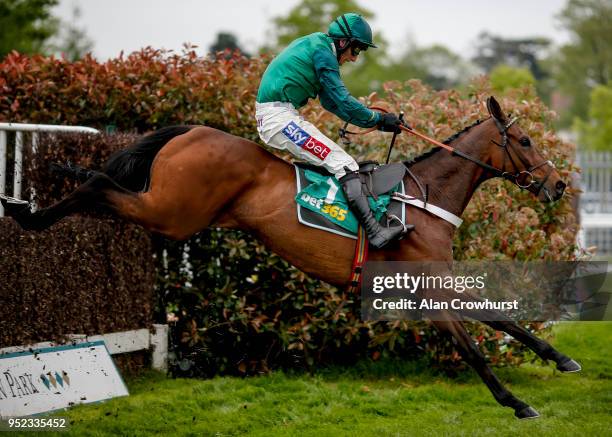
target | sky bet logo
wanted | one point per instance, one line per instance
(305, 141)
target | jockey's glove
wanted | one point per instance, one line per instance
(389, 122)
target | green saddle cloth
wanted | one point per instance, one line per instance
(325, 196)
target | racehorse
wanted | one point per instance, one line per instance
(179, 180)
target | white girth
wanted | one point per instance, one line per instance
(433, 209)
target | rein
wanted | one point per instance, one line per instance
(522, 178)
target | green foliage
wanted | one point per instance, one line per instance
(436, 66)
(145, 90)
(237, 307)
(25, 25)
(521, 53)
(586, 61)
(504, 78)
(596, 133)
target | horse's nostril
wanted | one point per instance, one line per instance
(560, 186)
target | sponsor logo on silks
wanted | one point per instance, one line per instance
(327, 209)
(301, 138)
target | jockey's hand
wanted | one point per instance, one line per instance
(389, 122)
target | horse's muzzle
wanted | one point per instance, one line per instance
(548, 192)
(559, 189)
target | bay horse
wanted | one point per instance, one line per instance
(195, 177)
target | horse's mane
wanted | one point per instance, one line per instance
(449, 140)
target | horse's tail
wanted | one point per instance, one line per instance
(72, 171)
(130, 167)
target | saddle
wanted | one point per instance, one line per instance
(378, 179)
(321, 203)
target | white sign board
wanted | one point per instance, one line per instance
(53, 378)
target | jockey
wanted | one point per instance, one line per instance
(307, 68)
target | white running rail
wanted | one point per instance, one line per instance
(19, 129)
(596, 201)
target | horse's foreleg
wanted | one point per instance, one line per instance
(499, 321)
(470, 353)
(542, 348)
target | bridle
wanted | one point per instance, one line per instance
(521, 178)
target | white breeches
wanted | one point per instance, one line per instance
(280, 126)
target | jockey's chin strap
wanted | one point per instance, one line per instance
(521, 178)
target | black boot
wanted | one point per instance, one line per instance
(358, 202)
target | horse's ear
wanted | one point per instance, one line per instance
(495, 110)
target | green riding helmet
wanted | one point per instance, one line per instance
(352, 26)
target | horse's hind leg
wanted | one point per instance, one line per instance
(100, 192)
(543, 349)
(97, 192)
(470, 353)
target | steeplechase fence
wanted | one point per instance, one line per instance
(13, 140)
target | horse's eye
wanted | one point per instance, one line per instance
(525, 142)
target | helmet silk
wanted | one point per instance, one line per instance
(353, 27)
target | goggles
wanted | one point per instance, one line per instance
(358, 48)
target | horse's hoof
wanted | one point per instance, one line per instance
(14, 207)
(569, 366)
(527, 413)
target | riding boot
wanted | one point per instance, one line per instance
(378, 236)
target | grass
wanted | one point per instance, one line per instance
(370, 399)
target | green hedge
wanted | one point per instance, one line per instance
(142, 91)
(238, 308)
(82, 276)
